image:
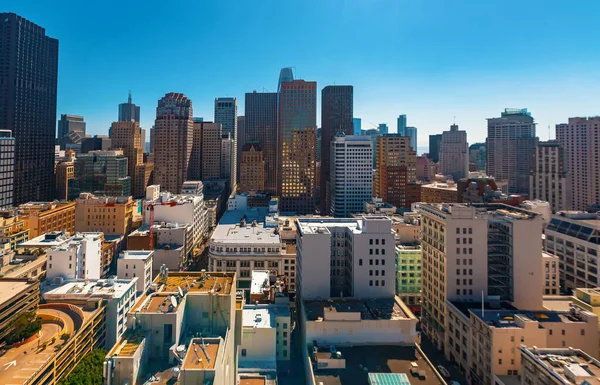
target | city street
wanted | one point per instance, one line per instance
(437, 358)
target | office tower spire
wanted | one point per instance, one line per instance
(129, 112)
(28, 84)
(285, 75)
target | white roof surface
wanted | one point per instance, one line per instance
(246, 234)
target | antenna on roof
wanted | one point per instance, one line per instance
(129, 98)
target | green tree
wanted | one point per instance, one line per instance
(24, 326)
(88, 371)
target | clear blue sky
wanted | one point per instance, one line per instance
(429, 59)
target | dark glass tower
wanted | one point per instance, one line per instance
(129, 111)
(28, 81)
(336, 116)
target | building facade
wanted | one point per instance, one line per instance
(408, 274)
(226, 115)
(253, 168)
(454, 153)
(212, 135)
(437, 192)
(129, 112)
(45, 217)
(109, 215)
(509, 143)
(549, 176)
(78, 258)
(7, 169)
(126, 136)
(351, 175)
(434, 147)
(395, 168)
(29, 112)
(100, 172)
(173, 137)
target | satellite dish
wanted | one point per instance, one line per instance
(173, 301)
(180, 291)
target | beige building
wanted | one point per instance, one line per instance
(487, 345)
(549, 176)
(64, 172)
(143, 178)
(454, 153)
(173, 137)
(440, 193)
(211, 150)
(557, 366)
(395, 168)
(550, 267)
(127, 137)
(252, 168)
(472, 251)
(109, 215)
(13, 230)
(45, 217)
(579, 139)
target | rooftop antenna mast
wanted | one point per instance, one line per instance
(129, 98)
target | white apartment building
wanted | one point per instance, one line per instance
(266, 331)
(475, 250)
(351, 175)
(574, 237)
(78, 258)
(345, 257)
(549, 176)
(136, 264)
(120, 295)
(580, 139)
(454, 153)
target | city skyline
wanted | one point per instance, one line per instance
(475, 79)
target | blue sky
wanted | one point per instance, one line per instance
(429, 59)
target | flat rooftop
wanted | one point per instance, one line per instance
(320, 225)
(364, 360)
(160, 303)
(566, 364)
(248, 234)
(232, 217)
(259, 281)
(465, 306)
(369, 309)
(108, 288)
(481, 210)
(441, 186)
(9, 289)
(196, 282)
(135, 254)
(51, 239)
(558, 302)
(128, 344)
(201, 356)
(506, 318)
(263, 316)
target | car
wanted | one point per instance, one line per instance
(444, 372)
(454, 383)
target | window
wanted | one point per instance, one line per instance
(563, 332)
(383, 282)
(284, 342)
(377, 262)
(377, 272)
(383, 261)
(377, 241)
(457, 230)
(499, 361)
(70, 266)
(285, 353)
(383, 272)
(383, 251)
(371, 283)
(285, 325)
(370, 241)
(458, 241)
(360, 262)
(458, 250)
(126, 275)
(244, 352)
(376, 282)
(370, 272)
(550, 331)
(371, 262)
(127, 266)
(582, 332)
(383, 241)
(370, 251)
(458, 281)
(522, 338)
(285, 334)
(457, 291)
(50, 266)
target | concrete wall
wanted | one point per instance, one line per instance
(172, 258)
(259, 344)
(527, 257)
(365, 332)
(313, 264)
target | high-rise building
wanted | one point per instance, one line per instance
(357, 125)
(240, 142)
(401, 129)
(549, 176)
(101, 172)
(226, 115)
(212, 136)
(71, 130)
(125, 136)
(65, 172)
(351, 175)
(434, 147)
(383, 128)
(297, 142)
(28, 83)
(510, 140)
(454, 153)
(96, 143)
(7, 176)
(579, 138)
(477, 156)
(411, 132)
(396, 167)
(336, 117)
(227, 158)
(173, 137)
(285, 75)
(129, 112)
(261, 126)
(252, 168)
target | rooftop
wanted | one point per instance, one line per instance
(480, 210)
(197, 282)
(201, 354)
(51, 239)
(568, 365)
(320, 225)
(128, 344)
(558, 302)
(364, 361)
(248, 234)
(263, 316)
(106, 288)
(441, 186)
(369, 309)
(259, 282)
(507, 318)
(160, 303)
(135, 254)
(10, 288)
(465, 306)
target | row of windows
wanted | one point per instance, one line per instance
(377, 282)
(360, 262)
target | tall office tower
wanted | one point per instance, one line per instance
(29, 63)
(195, 168)
(579, 138)
(96, 143)
(319, 145)
(129, 112)
(240, 142)
(351, 183)
(71, 129)
(297, 142)
(7, 176)
(125, 136)
(285, 75)
(261, 126)
(492, 249)
(383, 128)
(228, 156)
(212, 135)
(336, 117)
(434, 147)
(143, 139)
(454, 153)
(100, 172)
(396, 167)
(510, 140)
(357, 126)
(173, 136)
(401, 125)
(549, 176)
(411, 132)
(226, 115)
(252, 168)
(152, 140)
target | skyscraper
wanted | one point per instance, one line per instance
(252, 168)
(383, 128)
(70, 123)
(285, 75)
(261, 127)
(28, 82)
(226, 115)
(396, 168)
(240, 142)
(411, 132)
(548, 180)
(510, 140)
(297, 146)
(212, 135)
(402, 125)
(100, 172)
(127, 137)
(351, 183)
(129, 112)
(336, 117)
(357, 124)
(580, 138)
(434, 147)
(173, 137)
(454, 153)
(7, 176)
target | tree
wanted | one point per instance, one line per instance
(24, 326)
(88, 371)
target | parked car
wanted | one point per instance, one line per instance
(443, 371)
